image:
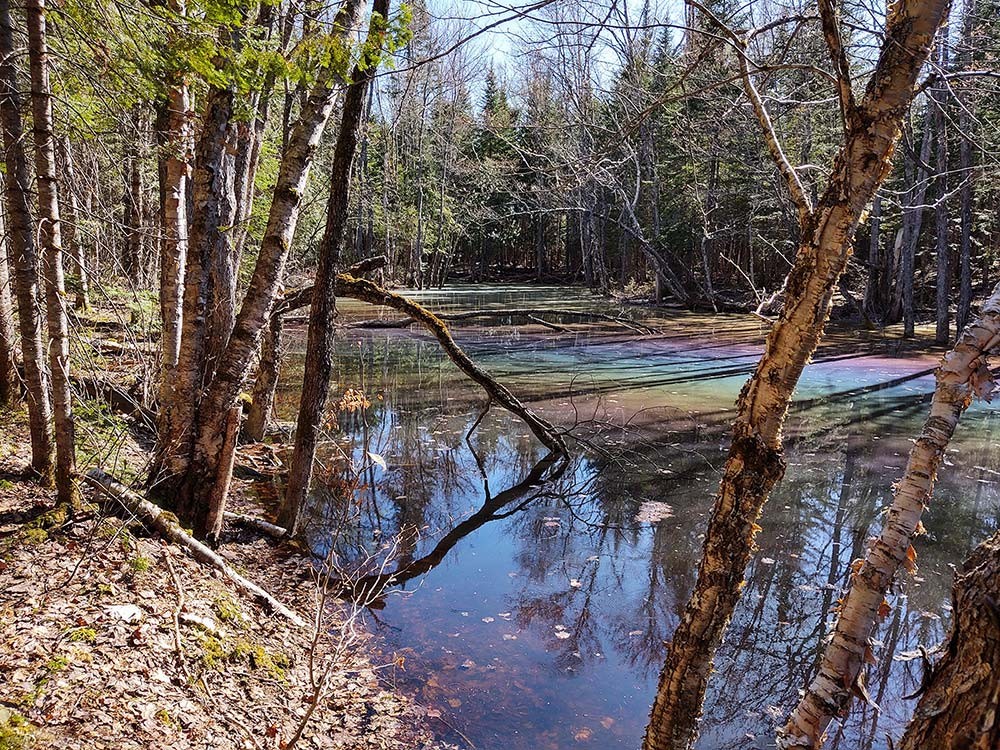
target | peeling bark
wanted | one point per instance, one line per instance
(50, 237)
(959, 707)
(754, 464)
(960, 376)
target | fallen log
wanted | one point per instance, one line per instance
(165, 524)
(257, 524)
(367, 291)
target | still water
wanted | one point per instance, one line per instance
(532, 614)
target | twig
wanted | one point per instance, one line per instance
(177, 613)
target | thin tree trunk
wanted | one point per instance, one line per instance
(877, 267)
(912, 221)
(174, 169)
(320, 343)
(960, 699)
(79, 283)
(51, 240)
(942, 333)
(266, 383)
(755, 460)
(132, 264)
(10, 384)
(966, 118)
(962, 375)
(24, 258)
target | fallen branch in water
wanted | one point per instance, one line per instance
(367, 291)
(165, 524)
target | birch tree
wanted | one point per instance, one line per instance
(871, 127)
(52, 263)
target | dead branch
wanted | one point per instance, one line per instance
(165, 524)
(367, 291)
(257, 524)
(531, 314)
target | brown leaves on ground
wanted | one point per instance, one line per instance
(89, 658)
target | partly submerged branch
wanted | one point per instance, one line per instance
(368, 291)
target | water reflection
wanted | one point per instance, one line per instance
(538, 598)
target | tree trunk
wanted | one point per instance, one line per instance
(266, 382)
(755, 459)
(962, 375)
(942, 332)
(10, 384)
(960, 699)
(51, 240)
(966, 119)
(913, 218)
(320, 343)
(79, 283)
(23, 257)
(174, 138)
(132, 265)
(878, 269)
(195, 450)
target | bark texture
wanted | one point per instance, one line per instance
(872, 128)
(174, 169)
(51, 239)
(959, 708)
(320, 343)
(24, 257)
(193, 451)
(963, 372)
(10, 386)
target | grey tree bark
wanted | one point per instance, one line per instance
(50, 236)
(23, 257)
(320, 343)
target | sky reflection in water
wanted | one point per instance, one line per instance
(543, 623)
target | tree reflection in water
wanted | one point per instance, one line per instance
(535, 605)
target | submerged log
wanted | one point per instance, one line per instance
(166, 525)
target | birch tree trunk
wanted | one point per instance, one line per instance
(23, 257)
(195, 451)
(963, 374)
(174, 169)
(10, 384)
(755, 462)
(320, 343)
(51, 240)
(79, 283)
(960, 702)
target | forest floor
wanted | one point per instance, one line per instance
(110, 638)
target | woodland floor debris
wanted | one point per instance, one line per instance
(95, 654)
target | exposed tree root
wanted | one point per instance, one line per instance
(166, 524)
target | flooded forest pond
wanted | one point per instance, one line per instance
(534, 616)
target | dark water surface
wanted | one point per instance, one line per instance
(535, 616)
